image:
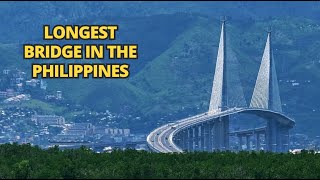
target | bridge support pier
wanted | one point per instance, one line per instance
(198, 137)
(190, 139)
(221, 129)
(277, 137)
(226, 133)
(240, 142)
(177, 139)
(203, 137)
(185, 140)
(213, 135)
(211, 132)
(258, 142)
(273, 135)
(248, 142)
(193, 139)
(216, 135)
(206, 135)
(284, 139)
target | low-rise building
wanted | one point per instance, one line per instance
(78, 132)
(48, 120)
(32, 82)
(59, 95)
(88, 128)
(50, 97)
(117, 132)
(6, 71)
(10, 93)
(67, 138)
(99, 130)
(3, 94)
(18, 98)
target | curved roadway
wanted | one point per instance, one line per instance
(161, 139)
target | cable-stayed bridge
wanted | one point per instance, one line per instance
(210, 131)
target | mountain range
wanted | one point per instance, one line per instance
(177, 51)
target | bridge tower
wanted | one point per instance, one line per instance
(266, 91)
(226, 92)
(266, 96)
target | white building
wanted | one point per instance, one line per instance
(6, 71)
(48, 120)
(117, 132)
(32, 82)
(3, 94)
(43, 84)
(59, 95)
(82, 128)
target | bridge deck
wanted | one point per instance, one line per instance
(161, 139)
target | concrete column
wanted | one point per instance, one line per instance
(248, 141)
(216, 136)
(221, 136)
(279, 139)
(258, 142)
(272, 136)
(199, 137)
(287, 139)
(203, 137)
(240, 142)
(210, 132)
(284, 139)
(190, 139)
(184, 140)
(193, 138)
(265, 140)
(225, 133)
(177, 139)
(196, 128)
(206, 136)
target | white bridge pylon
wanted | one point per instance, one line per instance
(227, 91)
(266, 91)
(217, 88)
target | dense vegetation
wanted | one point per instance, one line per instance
(25, 161)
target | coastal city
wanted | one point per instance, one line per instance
(23, 124)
